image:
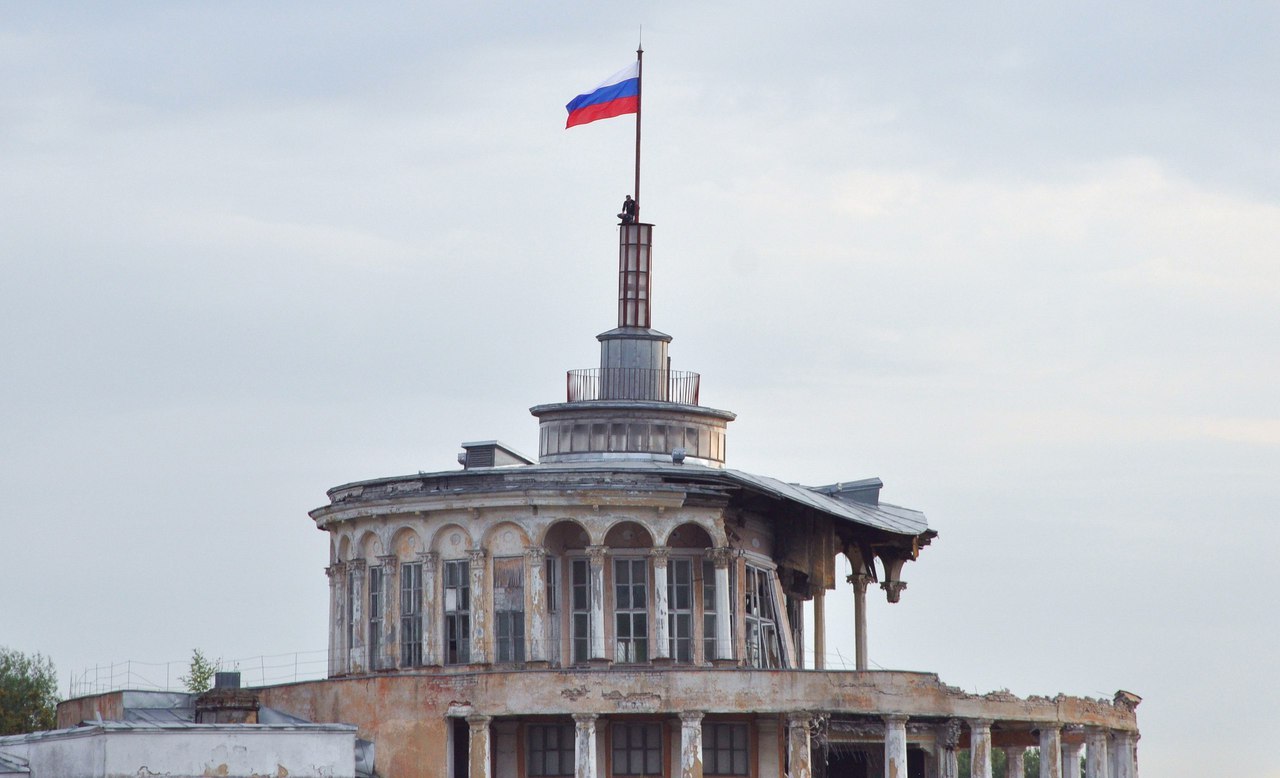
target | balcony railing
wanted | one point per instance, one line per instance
(633, 383)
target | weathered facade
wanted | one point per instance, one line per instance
(628, 606)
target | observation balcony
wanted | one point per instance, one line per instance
(632, 383)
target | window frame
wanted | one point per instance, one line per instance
(456, 632)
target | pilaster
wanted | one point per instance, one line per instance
(1096, 763)
(799, 750)
(431, 637)
(357, 579)
(535, 567)
(895, 746)
(597, 556)
(584, 748)
(980, 748)
(691, 744)
(1050, 751)
(661, 607)
(721, 557)
(479, 765)
(390, 611)
(479, 606)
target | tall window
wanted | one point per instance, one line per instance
(411, 615)
(637, 748)
(351, 613)
(709, 651)
(553, 611)
(375, 617)
(631, 611)
(763, 649)
(724, 749)
(508, 607)
(457, 612)
(551, 749)
(580, 614)
(680, 608)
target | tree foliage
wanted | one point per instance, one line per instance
(28, 692)
(199, 677)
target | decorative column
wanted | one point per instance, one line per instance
(980, 748)
(430, 610)
(1071, 759)
(390, 611)
(535, 569)
(1051, 751)
(1123, 764)
(895, 746)
(479, 607)
(948, 739)
(584, 748)
(1096, 763)
(661, 628)
(597, 555)
(335, 573)
(691, 744)
(1015, 759)
(478, 765)
(860, 582)
(799, 752)
(721, 557)
(819, 629)
(356, 578)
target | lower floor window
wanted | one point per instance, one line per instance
(637, 749)
(724, 749)
(551, 749)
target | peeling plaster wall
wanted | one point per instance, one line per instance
(405, 714)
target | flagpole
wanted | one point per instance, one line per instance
(639, 100)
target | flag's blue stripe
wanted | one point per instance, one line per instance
(628, 88)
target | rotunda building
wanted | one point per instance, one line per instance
(628, 605)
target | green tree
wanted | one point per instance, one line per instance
(28, 693)
(199, 677)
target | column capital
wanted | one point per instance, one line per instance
(1050, 727)
(357, 565)
(660, 555)
(477, 556)
(800, 719)
(980, 723)
(895, 718)
(597, 554)
(536, 555)
(389, 561)
(583, 719)
(893, 589)
(479, 721)
(334, 572)
(691, 716)
(860, 581)
(429, 560)
(722, 556)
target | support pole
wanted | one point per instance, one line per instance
(639, 107)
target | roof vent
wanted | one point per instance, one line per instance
(866, 491)
(490, 453)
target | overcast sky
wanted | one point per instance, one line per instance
(1018, 260)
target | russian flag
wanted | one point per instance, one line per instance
(616, 95)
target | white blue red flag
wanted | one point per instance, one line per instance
(617, 95)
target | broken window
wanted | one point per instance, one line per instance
(375, 617)
(457, 612)
(680, 608)
(411, 615)
(709, 651)
(553, 611)
(580, 615)
(551, 749)
(763, 648)
(637, 748)
(724, 748)
(508, 608)
(631, 611)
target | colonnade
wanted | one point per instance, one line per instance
(1107, 753)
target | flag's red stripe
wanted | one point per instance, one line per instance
(590, 113)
